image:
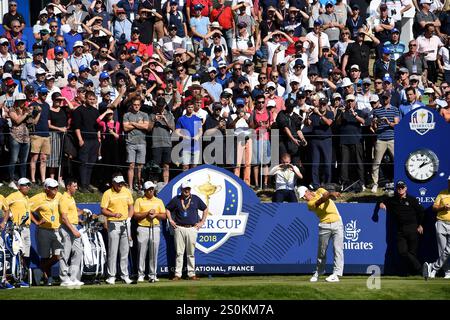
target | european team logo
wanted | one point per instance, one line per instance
(223, 196)
(422, 121)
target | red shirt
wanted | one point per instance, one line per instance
(142, 48)
(206, 5)
(225, 19)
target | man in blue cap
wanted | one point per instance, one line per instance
(59, 67)
(40, 137)
(314, 37)
(397, 48)
(384, 65)
(199, 27)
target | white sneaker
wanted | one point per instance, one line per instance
(375, 188)
(332, 278)
(447, 275)
(111, 280)
(13, 185)
(127, 280)
(77, 282)
(140, 279)
(427, 271)
(315, 277)
(154, 280)
(67, 283)
(363, 188)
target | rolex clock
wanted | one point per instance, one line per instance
(422, 165)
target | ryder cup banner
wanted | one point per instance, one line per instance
(244, 235)
(422, 154)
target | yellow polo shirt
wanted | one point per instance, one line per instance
(48, 209)
(327, 211)
(443, 198)
(68, 206)
(117, 202)
(3, 205)
(19, 206)
(145, 204)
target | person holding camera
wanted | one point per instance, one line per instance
(286, 175)
(385, 118)
(59, 67)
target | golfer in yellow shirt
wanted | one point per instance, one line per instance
(330, 227)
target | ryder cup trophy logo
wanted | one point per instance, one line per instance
(223, 196)
(422, 121)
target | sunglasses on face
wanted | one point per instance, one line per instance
(237, 69)
(259, 102)
(378, 82)
(413, 45)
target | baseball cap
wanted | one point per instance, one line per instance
(374, 98)
(346, 82)
(43, 89)
(354, 66)
(313, 70)
(140, 80)
(30, 88)
(248, 62)
(88, 81)
(401, 184)
(186, 184)
(18, 41)
(245, 93)
(118, 179)
(212, 69)
(336, 95)
(132, 48)
(242, 24)
(271, 103)
(71, 76)
(59, 49)
(403, 70)
(216, 25)
(426, 1)
(120, 10)
(301, 191)
(218, 49)
(414, 77)
(383, 6)
(294, 80)
(366, 80)
(10, 82)
(355, 6)
(350, 97)
(428, 91)
(386, 50)
(299, 62)
(228, 91)
(323, 101)
(40, 71)
(6, 76)
(148, 185)
(78, 44)
(290, 102)
(387, 78)
(198, 6)
(222, 64)
(318, 22)
(37, 51)
(50, 183)
(135, 30)
(43, 12)
(329, 4)
(242, 79)
(94, 62)
(83, 68)
(309, 87)
(271, 85)
(172, 27)
(395, 30)
(3, 41)
(173, 2)
(217, 105)
(44, 31)
(104, 75)
(240, 102)
(23, 182)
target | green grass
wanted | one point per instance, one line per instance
(246, 287)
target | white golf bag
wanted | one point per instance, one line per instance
(11, 261)
(94, 252)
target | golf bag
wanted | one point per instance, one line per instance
(94, 252)
(11, 261)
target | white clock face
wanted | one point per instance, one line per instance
(422, 165)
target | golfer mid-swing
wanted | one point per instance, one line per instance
(330, 227)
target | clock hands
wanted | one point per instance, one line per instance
(424, 164)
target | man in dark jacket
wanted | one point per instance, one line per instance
(409, 216)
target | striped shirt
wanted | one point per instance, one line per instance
(169, 45)
(384, 131)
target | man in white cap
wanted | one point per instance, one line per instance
(330, 227)
(19, 212)
(182, 213)
(78, 57)
(71, 237)
(117, 206)
(442, 207)
(148, 211)
(46, 205)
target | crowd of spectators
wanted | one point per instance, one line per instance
(108, 84)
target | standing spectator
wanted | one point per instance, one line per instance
(413, 61)
(148, 20)
(199, 28)
(162, 124)
(41, 24)
(110, 129)
(409, 216)
(70, 90)
(117, 207)
(15, 34)
(88, 135)
(148, 211)
(340, 47)
(175, 17)
(330, 227)
(130, 7)
(224, 16)
(429, 44)
(40, 137)
(134, 42)
(425, 17)
(169, 44)
(321, 143)
(12, 15)
(349, 121)
(385, 118)
(59, 67)
(442, 207)
(443, 60)
(355, 22)
(411, 102)
(384, 65)
(135, 124)
(383, 25)
(189, 128)
(182, 213)
(78, 58)
(19, 142)
(358, 53)
(396, 47)
(29, 69)
(286, 175)
(332, 23)
(122, 28)
(243, 46)
(318, 40)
